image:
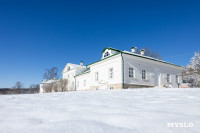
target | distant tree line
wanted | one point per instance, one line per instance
(19, 88)
(51, 84)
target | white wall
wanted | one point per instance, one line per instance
(69, 75)
(80, 82)
(102, 68)
(41, 88)
(151, 67)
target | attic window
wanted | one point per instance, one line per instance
(106, 54)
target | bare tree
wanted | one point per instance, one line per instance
(18, 86)
(63, 84)
(34, 88)
(51, 73)
(150, 53)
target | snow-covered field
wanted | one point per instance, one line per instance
(109, 111)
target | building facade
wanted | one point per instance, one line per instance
(122, 69)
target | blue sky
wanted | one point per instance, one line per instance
(35, 35)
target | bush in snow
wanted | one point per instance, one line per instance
(47, 87)
(56, 86)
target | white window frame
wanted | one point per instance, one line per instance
(144, 74)
(106, 54)
(131, 72)
(111, 72)
(96, 76)
(177, 79)
(168, 78)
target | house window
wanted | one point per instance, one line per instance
(131, 72)
(106, 54)
(144, 74)
(96, 76)
(168, 78)
(176, 78)
(84, 83)
(111, 73)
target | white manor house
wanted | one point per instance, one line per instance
(120, 70)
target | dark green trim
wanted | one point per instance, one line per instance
(122, 71)
(82, 73)
(103, 59)
(133, 47)
(110, 49)
(75, 83)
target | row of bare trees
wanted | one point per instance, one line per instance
(20, 89)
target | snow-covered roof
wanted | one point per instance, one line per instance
(84, 72)
(72, 66)
(76, 65)
(48, 81)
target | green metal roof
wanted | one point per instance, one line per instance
(109, 48)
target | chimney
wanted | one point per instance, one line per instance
(133, 49)
(81, 63)
(142, 51)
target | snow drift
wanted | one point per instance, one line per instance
(109, 111)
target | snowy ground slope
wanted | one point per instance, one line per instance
(109, 111)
